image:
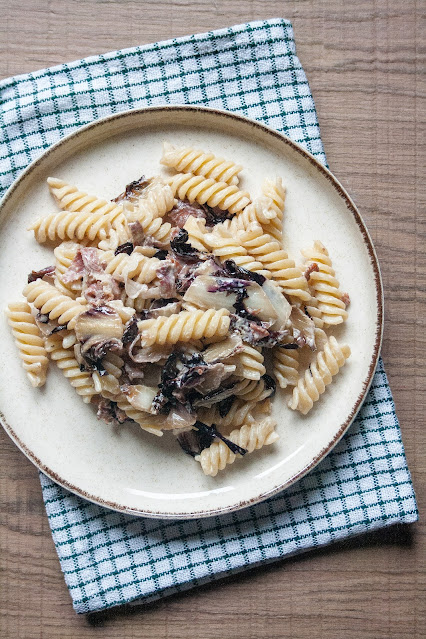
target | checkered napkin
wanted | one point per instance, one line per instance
(108, 558)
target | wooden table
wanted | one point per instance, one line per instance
(364, 63)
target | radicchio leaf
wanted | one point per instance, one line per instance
(109, 412)
(181, 247)
(133, 190)
(49, 271)
(242, 273)
(269, 383)
(94, 350)
(213, 432)
(193, 442)
(130, 331)
(56, 329)
(225, 405)
(161, 254)
(183, 209)
(127, 247)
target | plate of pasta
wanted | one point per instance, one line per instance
(193, 311)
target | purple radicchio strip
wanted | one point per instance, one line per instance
(49, 271)
(181, 247)
(134, 190)
(242, 273)
(234, 448)
(127, 248)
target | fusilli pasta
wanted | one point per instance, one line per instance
(260, 211)
(250, 437)
(227, 247)
(47, 299)
(264, 248)
(312, 384)
(189, 160)
(325, 286)
(248, 363)
(241, 412)
(64, 255)
(82, 217)
(184, 327)
(29, 342)
(106, 385)
(157, 200)
(197, 232)
(285, 366)
(311, 308)
(252, 390)
(137, 267)
(150, 220)
(150, 423)
(113, 364)
(196, 188)
(275, 190)
(66, 362)
(118, 234)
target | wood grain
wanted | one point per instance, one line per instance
(365, 63)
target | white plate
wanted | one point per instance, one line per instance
(126, 468)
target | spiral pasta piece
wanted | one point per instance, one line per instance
(113, 364)
(241, 412)
(189, 160)
(118, 234)
(56, 340)
(137, 304)
(320, 373)
(325, 286)
(64, 255)
(150, 423)
(285, 366)
(311, 308)
(106, 385)
(227, 247)
(29, 342)
(134, 266)
(264, 248)
(184, 327)
(261, 211)
(158, 198)
(251, 437)
(47, 299)
(149, 212)
(124, 311)
(275, 190)
(82, 216)
(197, 232)
(196, 188)
(248, 363)
(252, 390)
(66, 362)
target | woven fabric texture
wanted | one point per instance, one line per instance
(108, 558)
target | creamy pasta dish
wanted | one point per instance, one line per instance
(176, 306)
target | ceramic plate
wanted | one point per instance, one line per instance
(127, 469)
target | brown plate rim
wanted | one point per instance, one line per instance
(350, 205)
